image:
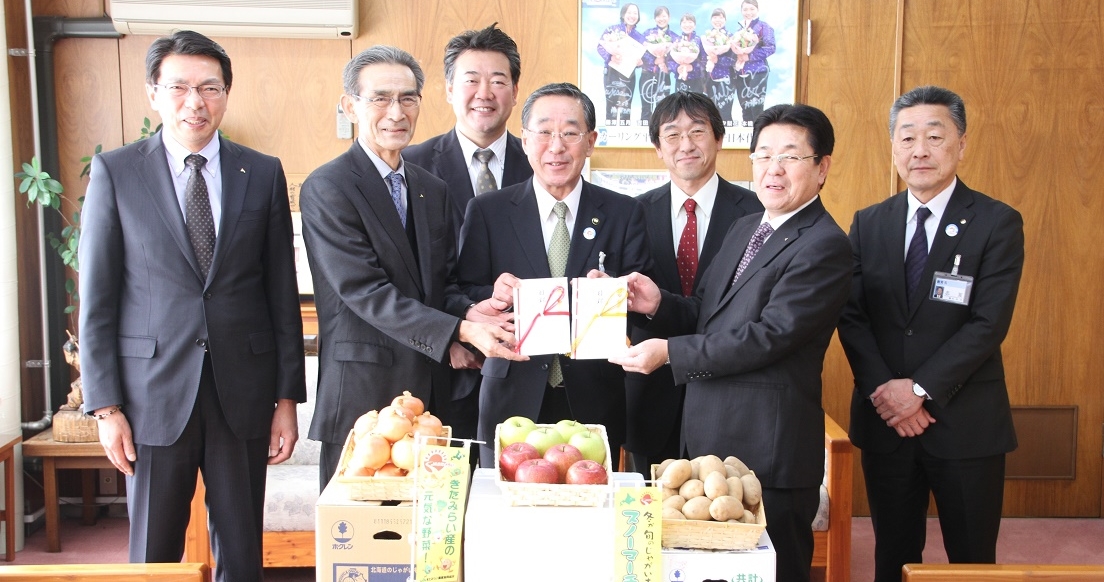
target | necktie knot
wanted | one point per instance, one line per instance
(195, 162)
(484, 179)
(690, 206)
(484, 156)
(560, 209)
(922, 215)
(396, 181)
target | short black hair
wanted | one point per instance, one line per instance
(818, 128)
(930, 95)
(625, 9)
(566, 90)
(186, 42)
(490, 39)
(696, 106)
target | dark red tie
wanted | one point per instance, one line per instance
(687, 257)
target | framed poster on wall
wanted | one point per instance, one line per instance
(742, 53)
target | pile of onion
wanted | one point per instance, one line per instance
(383, 440)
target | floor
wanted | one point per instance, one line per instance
(1040, 541)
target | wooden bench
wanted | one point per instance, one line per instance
(832, 548)
(187, 572)
(1000, 573)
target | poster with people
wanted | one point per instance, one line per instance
(741, 53)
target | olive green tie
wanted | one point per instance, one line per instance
(558, 250)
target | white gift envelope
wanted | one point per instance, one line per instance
(599, 322)
(542, 318)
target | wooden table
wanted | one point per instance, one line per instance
(56, 456)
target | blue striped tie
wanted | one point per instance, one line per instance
(917, 257)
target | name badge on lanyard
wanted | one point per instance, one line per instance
(952, 287)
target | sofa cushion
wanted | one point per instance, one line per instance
(290, 496)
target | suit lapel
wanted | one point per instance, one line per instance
(420, 215)
(526, 221)
(378, 196)
(516, 165)
(582, 247)
(235, 180)
(452, 166)
(658, 216)
(724, 214)
(890, 233)
(958, 213)
(159, 185)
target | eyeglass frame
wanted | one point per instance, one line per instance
(546, 136)
(783, 160)
(168, 87)
(379, 100)
(675, 138)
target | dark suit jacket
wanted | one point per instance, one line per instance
(502, 234)
(654, 400)
(146, 315)
(752, 368)
(383, 314)
(442, 157)
(952, 351)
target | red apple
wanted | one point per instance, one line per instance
(587, 472)
(536, 471)
(563, 457)
(514, 455)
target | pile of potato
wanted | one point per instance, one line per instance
(709, 489)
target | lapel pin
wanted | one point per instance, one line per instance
(242, 170)
(951, 230)
(589, 233)
(963, 221)
(594, 221)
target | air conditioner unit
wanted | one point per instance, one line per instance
(255, 18)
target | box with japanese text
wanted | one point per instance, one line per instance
(753, 565)
(361, 540)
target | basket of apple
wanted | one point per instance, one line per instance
(379, 451)
(710, 504)
(562, 464)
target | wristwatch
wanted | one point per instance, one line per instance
(919, 391)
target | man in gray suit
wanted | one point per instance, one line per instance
(758, 327)
(687, 219)
(482, 69)
(191, 336)
(382, 248)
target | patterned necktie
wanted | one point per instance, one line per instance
(687, 258)
(558, 250)
(197, 213)
(396, 195)
(753, 247)
(485, 180)
(917, 256)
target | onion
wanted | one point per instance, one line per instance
(402, 453)
(392, 424)
(428, 425)
(372, 451)
(365, 424)
(409, 402)
(390, 470)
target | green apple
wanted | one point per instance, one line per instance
(590, 444)
(514, 430)
(569, 428)
(544, 438)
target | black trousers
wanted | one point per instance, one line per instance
(160, 492)
(790, 515)
(968, 492)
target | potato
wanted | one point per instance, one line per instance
(715, 486)
(731, 471)
(748, 517)
(662, 466)
(725, 508)
(676, 473)
(738, 464)
(692, 488)
(697, 508)
(695, 465)
(671, 513)
(669, 492)
(753, 491)
(710, 464)
(735, 488)
(675, 501)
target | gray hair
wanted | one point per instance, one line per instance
(376, 55)
(566, 90)
(930, 95)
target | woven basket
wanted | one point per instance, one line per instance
(72, 426)
(542, 494)
(374, 488)
(713, 535)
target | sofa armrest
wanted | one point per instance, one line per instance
(839, 480)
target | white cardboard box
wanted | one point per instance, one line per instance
(754, 565)
(361, 541)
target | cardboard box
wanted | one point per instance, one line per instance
(361, 540)
(536, 544)
(754, 565)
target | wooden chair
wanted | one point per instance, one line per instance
(832, 548)
(186, 572)
(8, 514)
(1000, 573)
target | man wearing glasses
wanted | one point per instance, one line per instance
(191, 337)
(759, 325)
(687, 220)
(553, 225)
(381, 245)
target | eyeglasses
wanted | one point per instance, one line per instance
(545, 136)
(381, 102)
(675, 138)
(784, 160)
(204, 91)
